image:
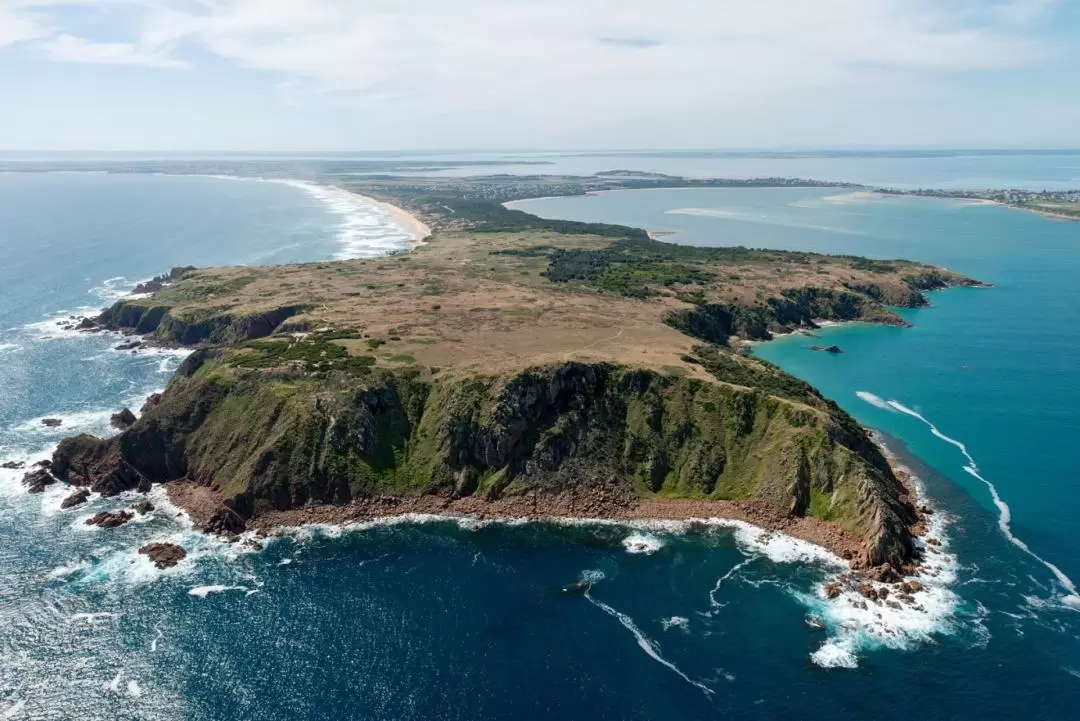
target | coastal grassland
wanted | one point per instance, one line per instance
(502, 300)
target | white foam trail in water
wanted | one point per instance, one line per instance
(204, 591)
(639, 542)
(876, 401)
(646, 644)
(153, 643)
(720, 581)
(1072, 599)
(6, 348)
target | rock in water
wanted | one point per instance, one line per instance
(35, 481)
(52, 422)
(106, 519)
(827, 348)
(130, 345)
(122, 420)
(143, 507)
(75, 499)
(164, 555)
(13, 465)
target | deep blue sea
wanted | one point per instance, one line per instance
(460, 620)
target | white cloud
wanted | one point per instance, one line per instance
(72, 49)
(568, 71)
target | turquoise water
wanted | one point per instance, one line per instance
(460, 620)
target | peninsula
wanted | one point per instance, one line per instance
(511, 366)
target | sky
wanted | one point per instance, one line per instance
(303, 75)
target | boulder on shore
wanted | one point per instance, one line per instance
(164, 555)
(107, 519)
(122, 420)
(76, 499)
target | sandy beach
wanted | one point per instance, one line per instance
(414, 225)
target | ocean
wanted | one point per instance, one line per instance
(455, 619)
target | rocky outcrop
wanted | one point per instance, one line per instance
(593, 431)
(164, 555)
(122, 420)
(160, 281)
(110, 519)
(145, 317)
(38, 479)
(152, 401)
(77, 498)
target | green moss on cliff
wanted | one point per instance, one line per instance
(333, 436)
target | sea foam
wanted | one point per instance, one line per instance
(1070, 598)
(646, 644)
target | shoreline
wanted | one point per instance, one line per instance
(416, 227)
(600, 507)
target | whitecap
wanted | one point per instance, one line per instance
(114, 684)
(133, 689)
(6, 348)
(13, 710)
(67, 570)
(646, 543)
(680, 622)
(91, 617)
(834, 655)
(204, 591)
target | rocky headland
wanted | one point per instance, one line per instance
(553, 370)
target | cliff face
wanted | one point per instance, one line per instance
(279, 439)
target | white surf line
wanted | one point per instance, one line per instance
(1004, 512)
(153, 644)
(643, 641)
